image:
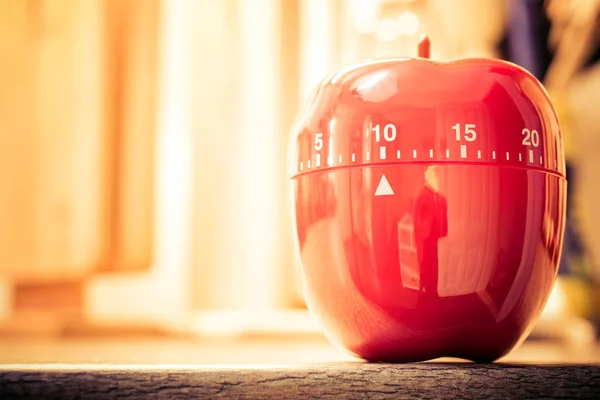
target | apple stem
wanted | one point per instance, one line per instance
(424, 46)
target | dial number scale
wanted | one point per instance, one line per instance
(467, 135)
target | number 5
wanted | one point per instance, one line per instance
(470, 134)
(318, 141)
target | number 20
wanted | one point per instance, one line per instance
(532, 138)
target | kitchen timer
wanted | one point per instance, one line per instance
(429, 206)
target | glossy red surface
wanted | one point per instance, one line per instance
(429, 216)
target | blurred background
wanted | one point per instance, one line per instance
(143, 153)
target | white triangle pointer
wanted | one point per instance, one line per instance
(384, 188)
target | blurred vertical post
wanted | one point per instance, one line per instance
(288, 290)
(15, 139)
(246, 96)
(159, 293)
(130, 73)
(242, 248)
(214, 81)
(259, 195)
(317, 44)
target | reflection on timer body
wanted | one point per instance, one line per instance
(429, 202)
(429, 224)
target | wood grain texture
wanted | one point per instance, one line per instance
(339, 381)
(50, 135)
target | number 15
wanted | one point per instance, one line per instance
(470, 135)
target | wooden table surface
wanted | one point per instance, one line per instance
(279, 368)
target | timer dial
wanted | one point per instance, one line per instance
(391, 112)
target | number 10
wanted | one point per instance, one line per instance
(470, 135)
(389, 133)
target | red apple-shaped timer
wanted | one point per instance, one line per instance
(429, 206)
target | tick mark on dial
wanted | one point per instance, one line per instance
(368, 155)
(340, 159)
(415, 153)
(520, 157)
(329, 161)
(398, 154)
(493, 154)
(301, 165)
(447, 153)
(353, 157)
(382, 152)
(507, 155)
(430, 153)
(308, 164)
(463, 151)
(530, 155)
(318, 160)
(478, 153)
